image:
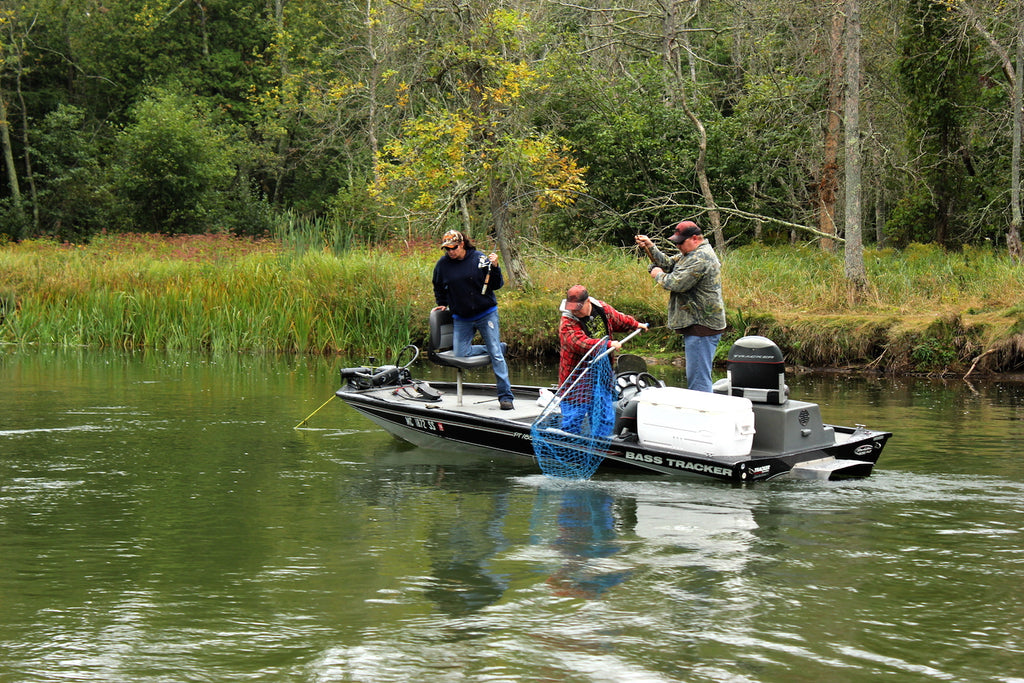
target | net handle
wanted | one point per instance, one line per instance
(598, 357)
(608, 349)
(562, 391)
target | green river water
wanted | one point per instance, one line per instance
(161, 519)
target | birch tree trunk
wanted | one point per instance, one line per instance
(8, 152)
(673, 45)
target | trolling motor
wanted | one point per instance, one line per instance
(369, 377)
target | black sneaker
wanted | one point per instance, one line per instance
(505, 405)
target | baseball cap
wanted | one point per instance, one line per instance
(576, 297)
(684, 231)
(451, 238)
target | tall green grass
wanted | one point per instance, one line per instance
(919, 280)
(265, 301)
(301, 234)
(217, 294)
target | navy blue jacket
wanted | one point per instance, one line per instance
(457, 285)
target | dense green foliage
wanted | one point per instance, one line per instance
(173, 166)
(935, 73)
(392, 121)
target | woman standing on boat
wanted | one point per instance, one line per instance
(465, 280)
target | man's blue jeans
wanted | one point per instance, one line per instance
(487, 326)
(700, 355)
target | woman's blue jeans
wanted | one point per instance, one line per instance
(490, 333)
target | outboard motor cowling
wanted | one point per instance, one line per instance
(755, 370)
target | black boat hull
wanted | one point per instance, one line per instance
(441, 425)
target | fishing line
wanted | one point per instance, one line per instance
(612, 210)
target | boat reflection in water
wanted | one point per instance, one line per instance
(594, 532)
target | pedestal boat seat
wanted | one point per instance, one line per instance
(441, 345)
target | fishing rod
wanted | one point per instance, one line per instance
(367, 377)
(487, 277)
(612, 210)
(314, 412)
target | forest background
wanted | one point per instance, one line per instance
(868, 133)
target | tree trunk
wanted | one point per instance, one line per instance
(204, 31)
(702, 176)
(674, 39)
(828, 182)
(282, 142)
(8, 151)
(29, 175)
(854, 249)
(514, 270)
(880, 217)
(373, 85)
(1017, 101)
(1014, 76)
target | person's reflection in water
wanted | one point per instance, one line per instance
(463, 587)
(461, 550)
(587, 533)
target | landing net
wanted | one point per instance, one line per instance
(573, 431)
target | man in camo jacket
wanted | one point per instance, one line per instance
(696, 309)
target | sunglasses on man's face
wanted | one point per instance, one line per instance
(451, 248)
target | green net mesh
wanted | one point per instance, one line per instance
(572, 433)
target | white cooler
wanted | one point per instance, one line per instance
(695, 421)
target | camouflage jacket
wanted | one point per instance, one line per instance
(694, 282)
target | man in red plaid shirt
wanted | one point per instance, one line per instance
(575, 337)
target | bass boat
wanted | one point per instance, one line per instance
(748, 430)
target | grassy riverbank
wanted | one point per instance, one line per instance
(927, 310)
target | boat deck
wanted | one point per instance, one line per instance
(480, 400)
